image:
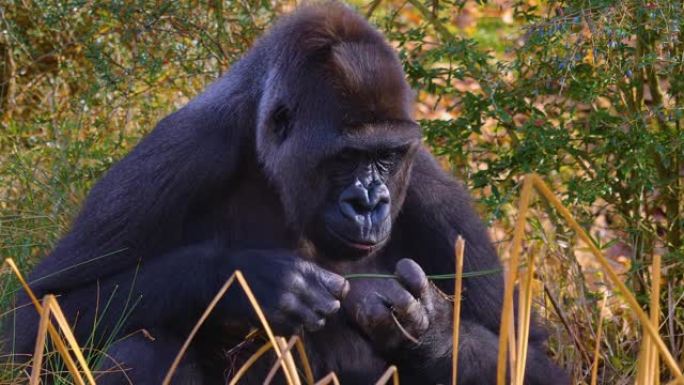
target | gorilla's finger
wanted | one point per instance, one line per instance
(372, 315)
(327, 308)
(336, 284)
(412, 276)
(322, 302)
(409, 311)
(300, 313)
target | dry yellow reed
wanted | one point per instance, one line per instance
(40, 344)
(308, 373)
(330, 377)
(458, 286)
(250, 361)
(392, 373)
(288, 359)
(641, 362)
(285, 348)
(506, 337)
(237, 275)
(654, 361)
(597, 346)
(54, 334)
(56, 311)
(544, 190)
(524, 315)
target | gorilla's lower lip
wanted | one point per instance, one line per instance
(364, 246)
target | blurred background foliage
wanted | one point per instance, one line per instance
(587, 93)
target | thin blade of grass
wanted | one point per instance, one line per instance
(392, 373)
(545, 191)
(597, 346)
(40, 344)
(511, 269)
(458, 286)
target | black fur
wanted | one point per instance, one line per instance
(254, 174)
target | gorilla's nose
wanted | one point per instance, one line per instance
(360, 203)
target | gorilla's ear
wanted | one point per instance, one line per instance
(281, 122)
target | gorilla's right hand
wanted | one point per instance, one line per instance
(292, 292)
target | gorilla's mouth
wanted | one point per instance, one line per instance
(362, 245)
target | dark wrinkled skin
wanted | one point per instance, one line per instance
(300, 165)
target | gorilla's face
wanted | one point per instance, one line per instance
(342, 185)
(337, 140)
(366, 189)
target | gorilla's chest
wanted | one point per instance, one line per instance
(248, 216)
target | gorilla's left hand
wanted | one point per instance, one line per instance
(397, 314)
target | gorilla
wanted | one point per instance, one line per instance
(299, 166)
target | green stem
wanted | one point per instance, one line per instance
(434, 277)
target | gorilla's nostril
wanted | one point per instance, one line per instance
(349, 210)
(361, 206)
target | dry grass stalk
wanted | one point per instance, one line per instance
(458, 286)
(40, 344)
(597, 346)
(285, 348)
(308, 373)
(291, 377)
(524, 315)
(287, 358)
(54, 334)
(641, 362)
(392, 373)
(649, 365)
(331, 377)
(63, 324)
(506, 337)
(250, 361)
(652, 331)
(654, 359)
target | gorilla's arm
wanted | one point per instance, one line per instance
(176, 287)
(437, 209)
(138, 208)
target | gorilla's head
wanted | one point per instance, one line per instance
(335, 133)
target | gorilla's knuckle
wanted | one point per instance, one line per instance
(336, 285)
(294, 281)
(404, 301)
(288, 303)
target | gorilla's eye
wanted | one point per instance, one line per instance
(386, 159)
(282, 122)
